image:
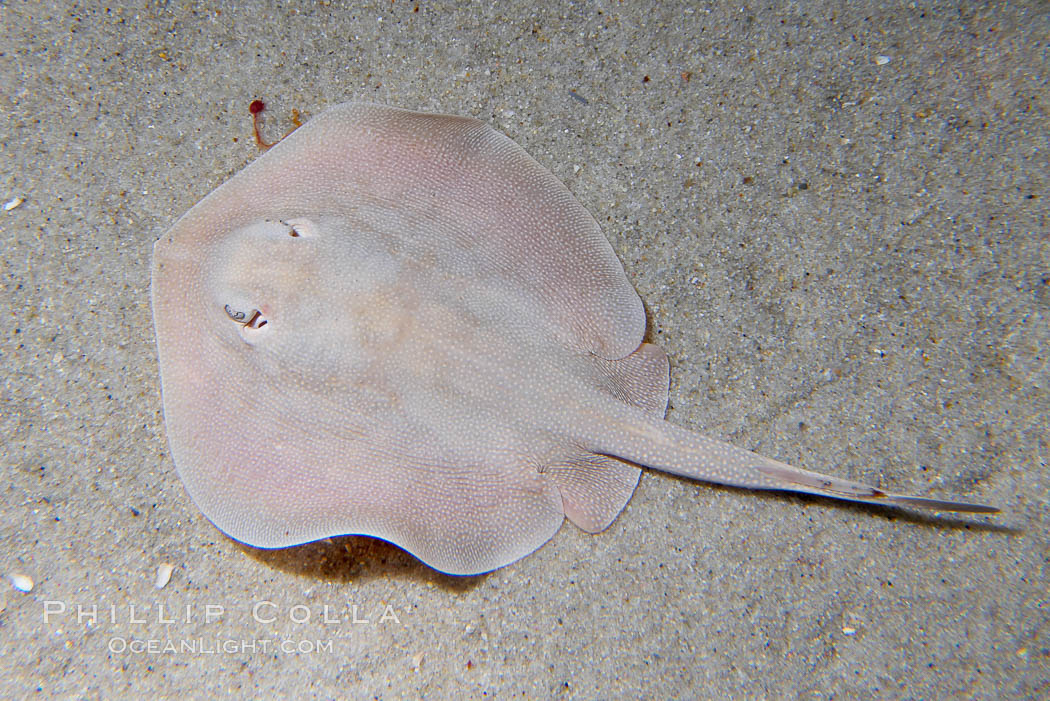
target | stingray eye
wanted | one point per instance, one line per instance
(249, 320)
(236, 314)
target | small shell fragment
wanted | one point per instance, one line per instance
(881, 60)
(22, 582)
(164, 575)
(12, 203)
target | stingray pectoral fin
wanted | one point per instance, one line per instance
(815, 483)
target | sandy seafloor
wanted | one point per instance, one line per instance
(846, 258)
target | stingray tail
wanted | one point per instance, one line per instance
(652, 442)
(795, 479)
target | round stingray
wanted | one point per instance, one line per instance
(400, 325)
(327, 316)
